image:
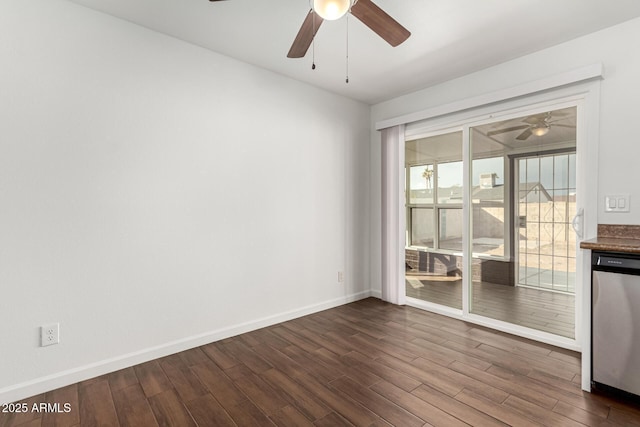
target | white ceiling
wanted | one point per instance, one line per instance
(450, 38)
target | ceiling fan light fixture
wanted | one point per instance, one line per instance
(331, 10)
(540, 130)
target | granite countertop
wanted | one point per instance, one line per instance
(615, 238)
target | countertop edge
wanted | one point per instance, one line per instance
(609, 244)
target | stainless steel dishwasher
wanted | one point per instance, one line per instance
(615, 327)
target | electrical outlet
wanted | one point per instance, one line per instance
(340, 277)
(49, 334)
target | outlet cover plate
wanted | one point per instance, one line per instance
(49, 334)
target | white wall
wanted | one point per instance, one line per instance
(156, 196)
(619, 148)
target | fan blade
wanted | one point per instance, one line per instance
(499, 131)
(563, 126)
(381, 23)
(305, 35)
(535, 119)
(524, 135)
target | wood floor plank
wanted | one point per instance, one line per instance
(435, 352)
(133, 407)
(169, 410)
(194, 356)
(248, 414)
(357, 361)
(215, 352)
(623, 417)
(387, 410)
(416, 406)
(96, 404)
(507, 415)
(451, 406)
(550, 365)
(324, 342)
(122, 379)
(332, 420)
(265, 397)
(336, 364)
(280, 361)
(218, 384)
(293, 339)
(206, 411)
(182, 378)
(247, 356)
(340, 403)
(580, 415)
(290, 417)
(238, 372)
(534, 412)
(538, 398)
(310, 364)
(58, 415)
(304, 400)
(152, 378)
(584, 401)
(268, 337)
(378, 348)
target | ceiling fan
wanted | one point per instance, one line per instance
(365, 10)
(537, 124)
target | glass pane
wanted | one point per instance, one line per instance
(561, 172)
(434, 164)
(488, 230)
(422, 227)
(487, 197)
(522, 248)
(421, 185)
(450, 182)
(572, 170)
(450, 229)
(488, 180)
(546, 172)
(533, 166)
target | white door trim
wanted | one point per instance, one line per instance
(593, 71)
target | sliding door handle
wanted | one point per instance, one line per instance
(577, 223)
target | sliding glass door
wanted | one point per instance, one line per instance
(521, 196)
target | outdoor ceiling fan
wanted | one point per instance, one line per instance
(537, 124)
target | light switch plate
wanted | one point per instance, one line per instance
(616, 203)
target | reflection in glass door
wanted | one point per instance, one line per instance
(546, 206)
(434, 190)
(523, 198)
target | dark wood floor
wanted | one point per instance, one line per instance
(367, 363)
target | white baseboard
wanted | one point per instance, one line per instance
(375, 293)
(61, 379)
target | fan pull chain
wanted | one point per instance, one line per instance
(347, 59)
(313, 41)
